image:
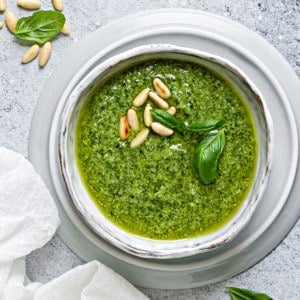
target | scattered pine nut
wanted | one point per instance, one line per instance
(161, 89)
(147, 116)
(1, 24)
(58, 4)
(161, 103)
(11, 21)
(172, 110)
(124, 128)
(141, 98)
(161, 129)
(133, 120)
(2, 5)
(66, 30)
(29, 4)
(140, 138)
(45, 54)
(31, 54)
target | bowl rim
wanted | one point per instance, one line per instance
(241, 218)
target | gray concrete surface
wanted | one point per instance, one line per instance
(278, 274)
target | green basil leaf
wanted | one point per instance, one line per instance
(167, 119)
(244, 294)
(205, 125)
(41, 27)
(170, 121)
(206, 156)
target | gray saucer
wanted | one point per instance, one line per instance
(279, 208)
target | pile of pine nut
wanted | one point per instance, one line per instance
(11, 20)
(131, 121)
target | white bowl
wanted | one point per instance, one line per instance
(134, 244)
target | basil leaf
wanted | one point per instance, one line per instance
(167, 119)
(244, 294)
(206, 157)
(41, 27)
(205, 126)
(170, 121)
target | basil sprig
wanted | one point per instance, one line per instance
(244, 294)
(41, 27)
(206, 157)
(170, 121)
(207, 154)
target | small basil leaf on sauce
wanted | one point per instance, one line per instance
(167, 119)
(205, 125)
(41, 27)
(206, 157)
(244, 294)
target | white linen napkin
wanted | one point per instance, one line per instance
(28, 220)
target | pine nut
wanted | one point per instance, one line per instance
(133, 119)
(1, 24)
(161, 103)
(11, 21)
(172, 110)
(66, 30)
(141, 98)
(161, 129)
(45, 54)
(30, 54)
(124, 128)
(147, 116)
(29, 4)
(161, 89)
(140, 138)
(2, 5)
(58, 4)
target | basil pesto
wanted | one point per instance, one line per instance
(153, 190)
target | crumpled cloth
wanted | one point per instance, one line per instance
(28, 220)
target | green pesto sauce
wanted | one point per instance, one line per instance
(153, 191)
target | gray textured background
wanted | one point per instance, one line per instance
(278, 274)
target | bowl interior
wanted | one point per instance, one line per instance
(90, 213)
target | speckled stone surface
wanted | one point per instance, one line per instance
(278, 274)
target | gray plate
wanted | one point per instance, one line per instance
(279, 208)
